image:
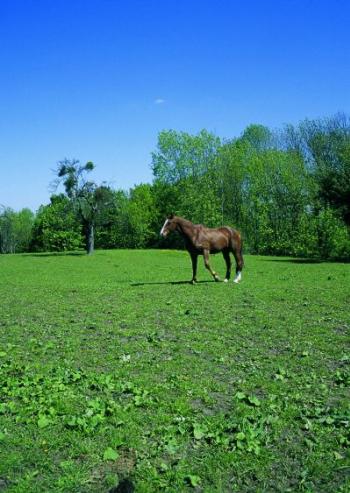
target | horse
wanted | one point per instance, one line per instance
(200, 240)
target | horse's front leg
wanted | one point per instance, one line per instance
(194, 258)
(207, 265)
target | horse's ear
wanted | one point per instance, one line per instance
(171, 216)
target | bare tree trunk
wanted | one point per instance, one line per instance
(89, 238)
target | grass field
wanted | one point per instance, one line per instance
(112, 367)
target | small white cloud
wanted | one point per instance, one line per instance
(159, 101)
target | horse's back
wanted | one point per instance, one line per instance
(218, 239)
(233, 236)
(213, 239)
(232, 231)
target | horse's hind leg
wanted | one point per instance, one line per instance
(227, 258)
(239, 264)
(236, 248)
(207, 265)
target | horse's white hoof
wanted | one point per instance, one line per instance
(237, 278)
(225, 280)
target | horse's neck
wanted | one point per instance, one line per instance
(185, 228)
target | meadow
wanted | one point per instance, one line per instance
(112, 366)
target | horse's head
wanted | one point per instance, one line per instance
(168, 226)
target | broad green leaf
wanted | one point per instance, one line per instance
(240, 396)
(193, 480)
(240, 436)
(43, 421)
(254, 400)
(199, 431)
(110, 454)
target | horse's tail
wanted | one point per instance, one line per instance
(241, 249)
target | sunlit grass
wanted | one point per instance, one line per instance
(112, 367)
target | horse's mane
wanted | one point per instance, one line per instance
(182, 220)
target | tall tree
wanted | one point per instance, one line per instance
(325, 146)
(15, 230)
(87, 197)
(275, 197)
(331, 152)
(187, 163)
(181, 155)
(231, 175)
(7, 234)
(259, 137)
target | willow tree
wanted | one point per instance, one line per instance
(87, 197)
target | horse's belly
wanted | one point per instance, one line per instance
(213, 251)
(200, 249)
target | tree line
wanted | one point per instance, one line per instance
(287, 190)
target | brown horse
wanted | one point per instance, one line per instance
(200, 240)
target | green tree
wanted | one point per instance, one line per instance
(231, 176)
(7, 230)
(181, 155)
(325, 147)
(56, 227)
(186, 163)
(24, 223)
(15, 230)
(87, 198)
(332, 173)
(130, 220)
(142, 212)
(275, 196)
(258, 137)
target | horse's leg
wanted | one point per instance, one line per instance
(237, 252)
(227, 258)
(194, 258)
(207, 265)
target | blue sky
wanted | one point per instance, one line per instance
(98, 79)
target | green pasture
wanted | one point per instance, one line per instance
(113, 367)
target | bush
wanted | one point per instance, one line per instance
(333, 236)
(56, 227)
(322, 235)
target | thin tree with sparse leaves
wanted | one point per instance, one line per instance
(87, 197)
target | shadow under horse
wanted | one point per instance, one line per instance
(200, 240)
